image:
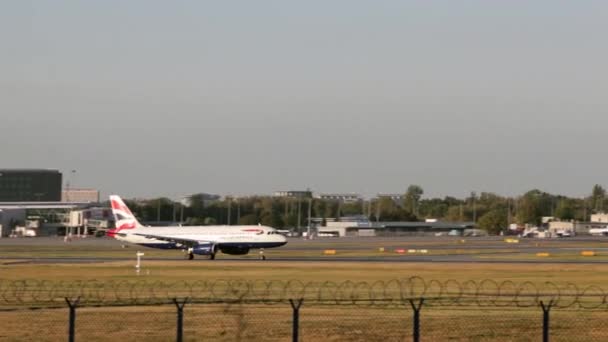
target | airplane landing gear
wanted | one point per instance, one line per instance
(190, 254)
(262, 256)
(214, 250)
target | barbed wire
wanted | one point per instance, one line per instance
(484, 293)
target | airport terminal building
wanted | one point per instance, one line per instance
(30, 185)
(31, 205)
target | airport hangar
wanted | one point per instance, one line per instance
(362, 228)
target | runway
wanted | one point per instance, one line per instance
(53, 250)
(460, 260)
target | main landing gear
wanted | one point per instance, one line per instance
(190, 255)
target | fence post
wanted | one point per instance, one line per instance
(416, 307)
(180, 318)
(72, 325)
(546, 309)
(296, 318)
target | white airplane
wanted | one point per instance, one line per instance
(200, 240)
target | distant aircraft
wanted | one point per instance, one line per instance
(598, 231)
(200, 240)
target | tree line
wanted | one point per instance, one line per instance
(489, 211)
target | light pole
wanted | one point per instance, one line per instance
(181, 213)
(158, 211)
(73, 172)
(299, 212)
(138, 265)
(67, 186)
(473, 197)
(229, 209)
(238, 211)
(309, 217)
(174, 212)
(508, 212)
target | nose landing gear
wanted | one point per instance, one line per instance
(190, 254)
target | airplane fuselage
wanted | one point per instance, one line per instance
(201, 240)
(228, 236)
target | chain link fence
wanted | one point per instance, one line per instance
(248, 311)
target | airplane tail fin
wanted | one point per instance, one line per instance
(123, 216)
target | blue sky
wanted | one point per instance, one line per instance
(147, 98)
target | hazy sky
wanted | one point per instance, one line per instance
(148, 98)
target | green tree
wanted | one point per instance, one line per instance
(493, 221)
(158, 209)
(454, 214)
(528, 207)
(197, 205)
(432, 208)
(318, 208)
(412, 197)
(194, 221)
(491, 201)
(209, 221)
(352, 208)
(249, 219)
(598, 195)
(270, 213)
(566, 209)
(332, 208)
(291, 221)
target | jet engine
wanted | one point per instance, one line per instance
(235, 250)
(204, 249)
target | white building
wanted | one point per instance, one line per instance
(9, 219)
(293, 193)
(80, 195)
(344, 198)
(91, 219)
(569, 228)
(342, 228)
(599, 217)
(397, 198)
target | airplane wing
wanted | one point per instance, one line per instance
(177, 239)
